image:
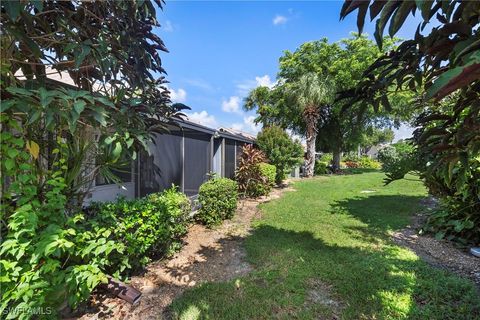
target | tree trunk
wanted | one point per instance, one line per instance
(310, 158)
(337, 156)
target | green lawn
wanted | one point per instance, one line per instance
(323, 252)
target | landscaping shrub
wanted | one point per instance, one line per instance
(47, 258)
(251, 181)
(282, 151)
(396, 164)
(269, 171)
(148, 227)
(218, 198)
(326, 157)
(368, 163)
(320, 167)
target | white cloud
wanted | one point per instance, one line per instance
(264, 81)
(203, 118)
(246, 86)
(168, 26)
(231, 105)
(248, 125)
(179, 95)
(278, 20)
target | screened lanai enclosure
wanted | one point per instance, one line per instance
(186, 156)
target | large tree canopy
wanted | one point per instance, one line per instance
(344, 63)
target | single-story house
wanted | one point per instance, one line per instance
(184, 157)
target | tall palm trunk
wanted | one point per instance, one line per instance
(337, 156)
(311, 114)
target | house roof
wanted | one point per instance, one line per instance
(235, 134)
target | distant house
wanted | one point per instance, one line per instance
(373, 151)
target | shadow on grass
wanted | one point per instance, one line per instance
(380, 212)
(371, 282)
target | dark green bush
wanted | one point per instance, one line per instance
(282, 151)
(320, 167)
(218, 199)
(148, 227)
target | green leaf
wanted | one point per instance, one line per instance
(9, 164)
(424, 6)
(13, 8)
(105, 101)
(34, 117)
(399, 17)
(5, 105)
(79, 106)
(440, 235)
(117, 150)
(100, 117)
(12, 153)
(85, 50)
(109, 140)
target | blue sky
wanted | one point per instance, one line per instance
(219, 50)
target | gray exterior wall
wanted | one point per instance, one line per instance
(183, 157)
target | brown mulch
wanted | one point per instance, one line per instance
(208, 255)
(438, 253)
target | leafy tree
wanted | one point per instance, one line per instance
(56, 138)
(343, 63)
(111, 53)
(443, 66)
(260, 99)
(280, 149)
(310, 97)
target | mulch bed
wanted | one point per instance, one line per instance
(439, 253)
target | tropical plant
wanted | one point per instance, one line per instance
(116, 103)
(280, 149)
(218, 199)
(252, 180)
(442, 64)
(47, 258)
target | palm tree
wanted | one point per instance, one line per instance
(311, 95)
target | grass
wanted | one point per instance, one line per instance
(324, 252)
